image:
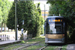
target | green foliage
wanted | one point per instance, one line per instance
(11, 18)
(6, 5)
(53, 10)
(39, 20)
(42, 30)
(0, 11)
(72, 36)
(66, 9)
(22, 41)
(26, 10)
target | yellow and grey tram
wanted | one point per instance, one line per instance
(55, 30)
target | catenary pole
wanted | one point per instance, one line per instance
(15, 19)
(44, 11)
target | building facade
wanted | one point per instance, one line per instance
(44, 13)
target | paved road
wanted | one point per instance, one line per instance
(71, 47)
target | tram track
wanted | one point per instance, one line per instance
(58, 48)
(43, 48)
(20, 48)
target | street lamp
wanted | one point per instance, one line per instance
(44, 11)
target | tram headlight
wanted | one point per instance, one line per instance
(63, 34)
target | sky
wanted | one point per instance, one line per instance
(42, 3)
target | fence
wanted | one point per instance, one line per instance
(4, 37)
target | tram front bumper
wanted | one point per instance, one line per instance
(48, 40)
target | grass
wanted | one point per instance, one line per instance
(35, 46)
(34, 40)
(51, 47)
(54, 47)
(31, 41)
(10, 47)
(64, 47)
(48, 48)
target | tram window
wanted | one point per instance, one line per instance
(47, 28)
(52, 28)
(58, 29)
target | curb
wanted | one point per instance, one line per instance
(10, 43)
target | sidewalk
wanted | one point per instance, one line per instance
(71, 47)
(8, 42)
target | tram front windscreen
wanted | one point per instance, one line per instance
(54, 27)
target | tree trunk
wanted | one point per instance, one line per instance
(8, 29)
(11, 30)
(4, 27)
(1, 26)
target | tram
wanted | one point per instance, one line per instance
(55, 30)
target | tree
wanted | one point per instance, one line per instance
(5, 6)
(40, 20)
(11, 18)
(0, 11)
(26, 10)
(65, 8)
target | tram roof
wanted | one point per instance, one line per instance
(54, 17)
